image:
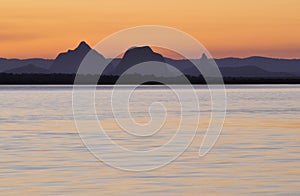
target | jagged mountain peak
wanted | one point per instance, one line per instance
(68, 62)
(83, 44)
(204, 57)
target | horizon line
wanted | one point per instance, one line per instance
(218, 58)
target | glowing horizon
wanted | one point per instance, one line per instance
(230, 28)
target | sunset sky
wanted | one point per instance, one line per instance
(32, 28)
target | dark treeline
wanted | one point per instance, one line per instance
(64, 79)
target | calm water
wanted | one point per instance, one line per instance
(258, 151)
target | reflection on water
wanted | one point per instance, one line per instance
(258, 151)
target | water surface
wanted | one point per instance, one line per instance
(258, 151)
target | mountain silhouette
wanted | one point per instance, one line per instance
(8, 64)
(69, 62)
(204, 57)
(136, 55)
(187, 66)
(28, 69)
(251, 71)
(290, 66)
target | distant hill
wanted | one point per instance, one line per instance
(28, 69)
(8, 64)
(252, 72)
(69, 62)
(291, 66)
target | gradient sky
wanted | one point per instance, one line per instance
(36, 28)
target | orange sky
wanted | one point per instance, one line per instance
(37, 28)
